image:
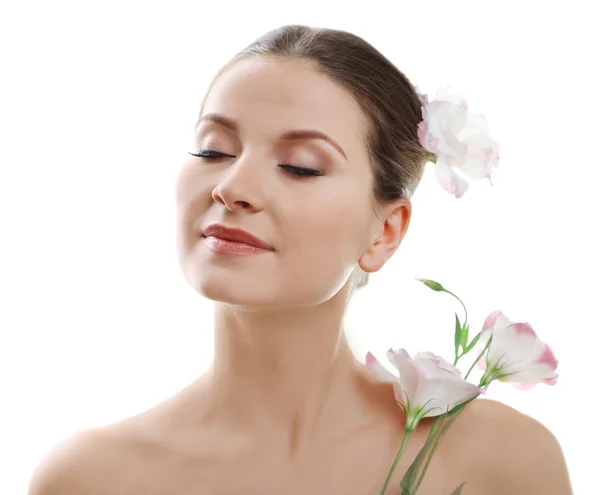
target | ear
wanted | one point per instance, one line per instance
(396, 217)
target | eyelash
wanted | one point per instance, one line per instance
(292, 169)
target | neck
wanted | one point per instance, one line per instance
(287, 375)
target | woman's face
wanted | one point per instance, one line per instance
(309, 198)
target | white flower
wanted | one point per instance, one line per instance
(460, 141)
(427, 385)
(516, 354)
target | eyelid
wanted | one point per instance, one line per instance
(207, 153)
(300, 170)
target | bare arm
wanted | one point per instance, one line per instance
(69, 467)
(521, 456)
(530, 460)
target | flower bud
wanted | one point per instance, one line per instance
(432, 285)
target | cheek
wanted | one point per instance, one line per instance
(193, 196)
(328, 230)
(187, 186)
(323, 243)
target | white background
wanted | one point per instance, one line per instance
(98, 103)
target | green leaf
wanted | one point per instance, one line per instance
(432, 285)
(411, 474)
(458, 490)
(464, 337)
(472, 344)
(457, 335)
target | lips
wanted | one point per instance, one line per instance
(235, 235)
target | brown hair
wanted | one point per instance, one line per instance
(386, 96)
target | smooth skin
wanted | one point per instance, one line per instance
(286, 407)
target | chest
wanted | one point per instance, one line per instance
(349, 471)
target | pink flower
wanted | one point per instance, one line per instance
(516, 354)
(460, 141)
(427, 385)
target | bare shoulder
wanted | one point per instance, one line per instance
(516, 453)
(79, 465)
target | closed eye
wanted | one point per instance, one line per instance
(301, 171)
(291, 169)
(210, 154)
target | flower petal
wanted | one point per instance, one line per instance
(438, 362)
(432, 385)
(494, 321)
(481, 363)
(532, 375)
(476, 164)
(441, 395)
(514, 347)
(494, 154)
(458, 140)
(475, 133)
(443, 121)
(550, 381)
(427, 140)
(448, 179)
(410, 374)
(518, 354)
(547, 358)
(378, 370)
(539, 368)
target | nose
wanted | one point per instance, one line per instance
(239, 186)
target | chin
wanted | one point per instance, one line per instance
(252, 285)
(235, 290)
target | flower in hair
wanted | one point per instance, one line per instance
(460, 141)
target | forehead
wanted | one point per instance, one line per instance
(276, 95)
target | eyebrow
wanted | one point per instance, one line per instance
(294, 135)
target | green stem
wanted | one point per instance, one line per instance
(472, 366)
(434, 427)
(458, 357)
(478, 357)
(487, 379)
(444, 428)
(463, 305)
(398, 455)
(410, 476)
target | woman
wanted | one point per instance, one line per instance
(299, 186)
